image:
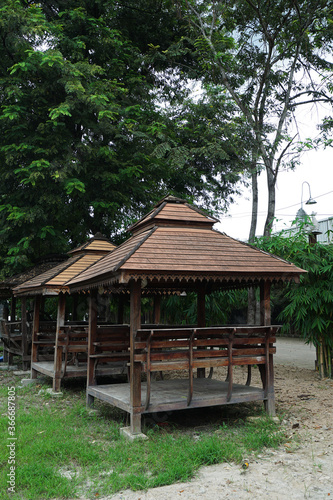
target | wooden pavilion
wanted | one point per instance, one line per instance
(59, 348)
(16, 332)
(173, 249)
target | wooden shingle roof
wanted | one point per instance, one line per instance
(173, 211)
(98, 243)
(176, 242)
(46, 263)
(55, 278)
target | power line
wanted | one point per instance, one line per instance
(247, 214)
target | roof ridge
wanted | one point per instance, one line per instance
(134, 249)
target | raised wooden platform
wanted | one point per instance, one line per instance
(73, 371)
(169, 395)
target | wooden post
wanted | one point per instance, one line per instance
(201, 319)
(35, 330)
(24, 330)
(135, 368)
(57, 349)
(5, 318)
(13, 309)
(157, 309)
(267, 373)
(92, 337)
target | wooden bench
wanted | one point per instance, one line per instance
(71, 348)
(111, 345)
(192, 348)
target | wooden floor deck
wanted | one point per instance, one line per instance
(73, 371)
(168, 395)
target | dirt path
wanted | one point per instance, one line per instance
(300, 469)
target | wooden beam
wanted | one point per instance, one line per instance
(57, 348)
(135, 367)
(13, 309)
(201, 319)
(92, 337)
(24, 329)
(35, 330)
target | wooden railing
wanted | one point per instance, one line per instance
(111, 345)
(71, 347)
(43, 341)
(192, 348)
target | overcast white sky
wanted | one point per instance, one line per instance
(316, 168)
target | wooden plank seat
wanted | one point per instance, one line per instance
(111, 345)
(71, 348)
(192, 348)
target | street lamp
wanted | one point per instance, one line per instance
(310, 201)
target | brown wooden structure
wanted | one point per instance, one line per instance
(174, 249)
(16, 332)
(59, 349)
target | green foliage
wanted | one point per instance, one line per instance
(84, 145)
(264, 57)
(64, 451)
(221, 308)
(308, 306)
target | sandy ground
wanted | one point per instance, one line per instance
(301, 468)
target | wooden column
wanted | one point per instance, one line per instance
(35, 330)
(92, 337)
(24, 330)
(201, 319)
(57, 349)
(157, 309)
(267, 371)
(13, 309)
(5, 317)
(135, 368)
(5, 313)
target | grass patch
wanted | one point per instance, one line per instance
(64, 451)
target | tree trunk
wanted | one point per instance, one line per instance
(251, 298)
(321, 359)
(254, 218)
(271, 180)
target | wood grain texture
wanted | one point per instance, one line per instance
(178, 240)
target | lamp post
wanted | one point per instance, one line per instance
(310, 201)
(313, 230)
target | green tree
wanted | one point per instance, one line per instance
(269, 58)
(307, 306)
(80, 122)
